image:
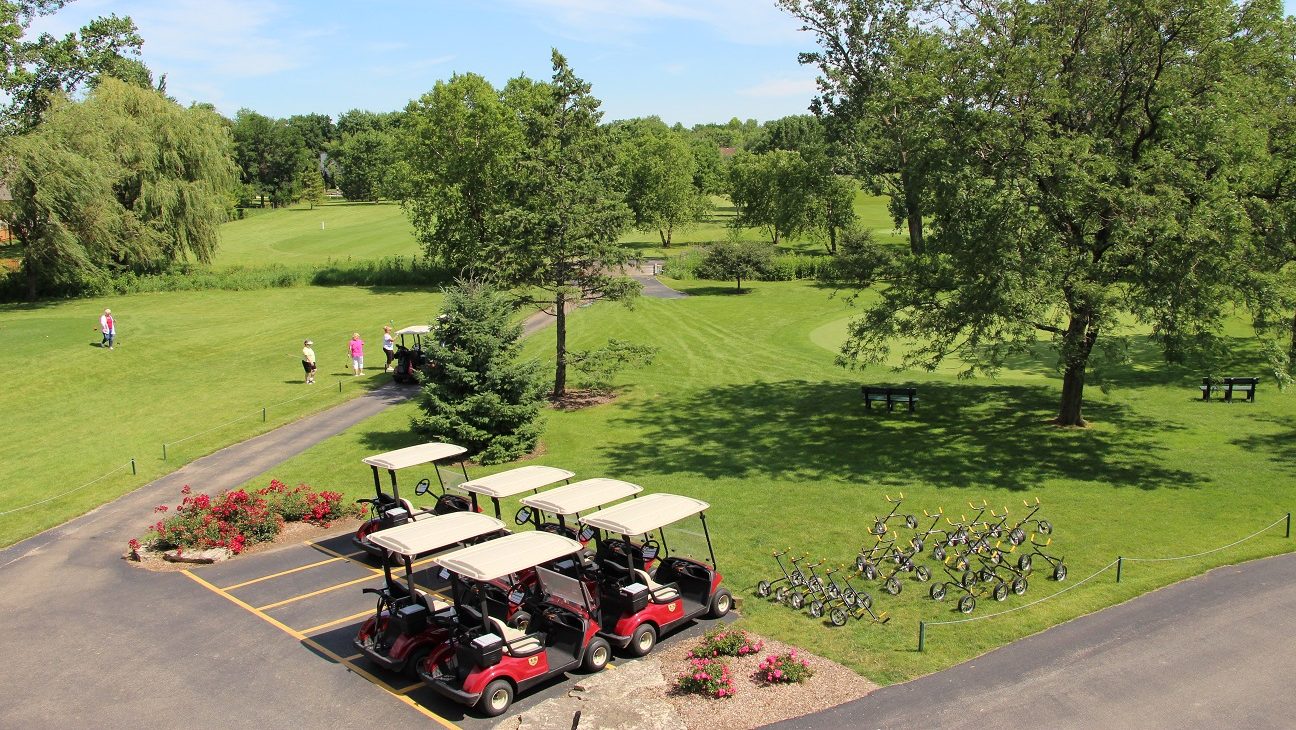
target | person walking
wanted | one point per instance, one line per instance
(356, 346)
(389, 346)
(108, 328)
(308, 361)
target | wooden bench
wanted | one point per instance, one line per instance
(1230, 387)
(890, 396)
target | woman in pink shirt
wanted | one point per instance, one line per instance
(357, 353)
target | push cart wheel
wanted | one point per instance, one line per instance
(1019, 585)
(1017, 536)
(967, 604)
(597, 654)
(863, 600)
(763, 588)
(721, 602)
(797, 578)
(996, 556)
(848, 597)
(938, 591)
(1000, 591)
(911, 522)
(1059, 573)
(1024, 563)
(916, 543)
(834, 591)
(1045, 527)
(644, 639)
(938, 552)
(816, 608)
(838, 616)
(879, 528)
(985, 575)
(892, 586)
(922, 573)
(961, 563)
(496, 698)
(780, 594)
(797, 600)
(870, 571)
(996, 532)
(815, 585)
(968, 579)
(860, 562)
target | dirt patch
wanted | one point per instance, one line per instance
(293, 532)
(574, 400)
(756, 703)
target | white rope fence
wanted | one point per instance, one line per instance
(128, 465)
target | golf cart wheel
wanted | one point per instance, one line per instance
(892, 586)
(879, 528)
(1024, 563)
(938, 552)
(496, 698)
(968, 579)
(797, 600)
(721, 602)
(1019, 585)
(838, 616)
(644, 638)
(1017, 536)
(815, 585)
(1045, 527)
(1059, 573)
(597, 655)
(816, 608)
(938, 592)
(911, 522)
(780, 594)
(967, 604)
(922, 573)
(916, 543)
(860, 562)
(763, 589)
(1000, 591)
(870, 571)
(415, 660)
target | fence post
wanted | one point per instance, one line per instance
(1120, 562)
(263, 417)
(339, 386)
(922, 635)
(163, 452)
(1288, 535)
(132, 465)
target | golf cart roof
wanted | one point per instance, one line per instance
(645, 513)
(516, 481)
(508, 554)
(434, 533)
(415, 329)
(581, 496)
(414, 455)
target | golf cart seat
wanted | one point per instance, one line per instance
(516, 643)
(435, 605)
(660, 593)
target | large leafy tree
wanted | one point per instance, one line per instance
(272, 156)
(1093, 165)
(660, 179)
(773, 191)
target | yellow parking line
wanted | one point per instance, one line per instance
(337, 554)
(317, 647)
(236, 586)
(342, 620)
(294, 599)
(410, 688)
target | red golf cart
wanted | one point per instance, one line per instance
(569, 501)
(640, 601)
(486, 662)
(403, 628)
(390, 510)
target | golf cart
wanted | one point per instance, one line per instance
(486, 662)
(411, 358)
(637, 603)
(570, 500)
(402, 629)
(513, 482)
(390, 510)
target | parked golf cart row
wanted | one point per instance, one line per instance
(516, 609)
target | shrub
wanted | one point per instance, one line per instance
(301, 503)
(709, 677)
(784, 669)
(725, 642)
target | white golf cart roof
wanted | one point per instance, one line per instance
(516, 481)
(415, 329)
(434, 533)
(414, 455)
(508, 554)
(581, 496)
(645, 514)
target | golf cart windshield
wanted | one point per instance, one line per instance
(557, 585)
(642, 520)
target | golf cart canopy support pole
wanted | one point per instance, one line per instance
(710, 549)
(395, 490)
(409, 577)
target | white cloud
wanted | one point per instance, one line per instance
(778, 88)
(754, 22)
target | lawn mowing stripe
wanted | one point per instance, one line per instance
(280, 574)
(303, 596)
(316, 647)
(342, 620)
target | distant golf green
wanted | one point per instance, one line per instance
(334, 231)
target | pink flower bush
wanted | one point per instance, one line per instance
(783, 669)
(726, 642)
(708, 677)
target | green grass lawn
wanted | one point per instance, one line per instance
(185, 362)
(743, 408)
(333, 231)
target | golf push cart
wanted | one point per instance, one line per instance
(402, 629)
(637, 602)
(391, 510)
(486, 662)
(569, 501)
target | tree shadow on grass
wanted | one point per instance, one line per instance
(960, 436)
(1144, 363)
(1275, 447)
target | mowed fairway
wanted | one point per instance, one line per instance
(185, 362)
(743, 408)
(334, 231)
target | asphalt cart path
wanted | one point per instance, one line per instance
(1213, 651)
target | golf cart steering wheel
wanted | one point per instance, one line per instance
(617, 548)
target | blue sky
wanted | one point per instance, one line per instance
(686, 61)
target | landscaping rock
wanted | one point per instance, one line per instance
(205, 557)
(629, 696)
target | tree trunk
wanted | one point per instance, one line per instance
(913, 212)
(740, 285)
(665, 234)
(832, 240)
(1077, 343)
(33, 280)
(1291, 349)
(560, 366)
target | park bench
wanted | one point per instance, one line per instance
(890, 396)
(1230, 387)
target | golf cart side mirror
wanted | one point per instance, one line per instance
(523, 516)
(423, 487)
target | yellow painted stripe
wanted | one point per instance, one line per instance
(303, 596)
(280, 574)
(331, 624)
(410, 688)
(316, 646)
